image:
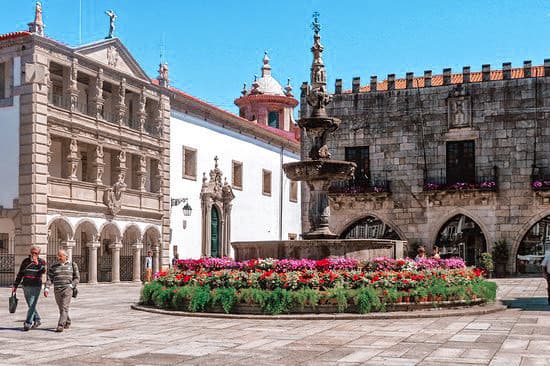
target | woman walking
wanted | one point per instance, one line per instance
(30, 273)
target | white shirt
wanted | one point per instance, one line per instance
(148, 262)
(546, 263)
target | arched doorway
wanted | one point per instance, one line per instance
(370, 227)
(215, 232)
(109, 236)
(533, 246)
(151, 242)
(462, 237)
(59, 233)
(85, 233)
(132, 235)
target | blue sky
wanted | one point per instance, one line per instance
(212, 47)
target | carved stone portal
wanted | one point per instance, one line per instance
(215, 195)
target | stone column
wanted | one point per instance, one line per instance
(92, 261)
(97, 98)
(73, 159)
(137, 261)
(115, 257)
(121, 102)
(73, 86)
(142, 114)
(69, 245)
(156, 259)
(98, 164)
(141, 172)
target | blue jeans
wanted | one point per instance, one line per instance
(32, 293)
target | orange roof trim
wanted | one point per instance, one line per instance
(14, 35)
(437, 80)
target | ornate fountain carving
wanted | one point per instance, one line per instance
(319, 172)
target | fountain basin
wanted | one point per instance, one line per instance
(319, 123)
(362, 249)
(320, 170)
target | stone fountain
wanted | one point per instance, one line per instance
(318, 172)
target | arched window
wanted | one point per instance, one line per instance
(533, 246)
(370, 228)
(461, 237)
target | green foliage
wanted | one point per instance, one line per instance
(277, 301)
(162, 297)
(485, 290)
(341, 297)
(226, 297)
(487, 263)
(500, 251)
(306, 297)
(182, 295)
(367, 300)
(200, 299)
(147, 292)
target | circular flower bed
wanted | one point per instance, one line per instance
(331, 285)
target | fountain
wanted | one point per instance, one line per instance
(318, 172)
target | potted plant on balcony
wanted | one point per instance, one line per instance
(500, 257)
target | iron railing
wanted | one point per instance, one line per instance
(483, 183)
(354, 186)
(7, 269)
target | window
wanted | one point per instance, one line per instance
(237, 177)
(461, 162)
(266, 182)
(189, 161)
(293, 191)
(84, 165)
(360, 156)
(3, 80)
(273, 119)
(4, 242)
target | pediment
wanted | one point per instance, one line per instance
(112, 53)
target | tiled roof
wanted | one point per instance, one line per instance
(289, 135)
(437, 80)
(13, 35)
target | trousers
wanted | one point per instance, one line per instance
(63, 299)
(32, 293)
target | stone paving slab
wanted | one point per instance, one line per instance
(106, 332)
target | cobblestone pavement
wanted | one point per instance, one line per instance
(106, 332)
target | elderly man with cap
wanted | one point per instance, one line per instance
(64, 276)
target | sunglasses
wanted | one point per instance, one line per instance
(35, 253)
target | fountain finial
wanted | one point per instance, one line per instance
(318, 96)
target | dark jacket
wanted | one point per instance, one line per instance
(30, 272)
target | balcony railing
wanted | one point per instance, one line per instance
(485, 183)
(353, 186)
(61, 101)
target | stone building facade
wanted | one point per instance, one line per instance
(457, 160)
(91, 153)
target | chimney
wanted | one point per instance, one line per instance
(391, 81)
(338, 86)
(527, 69)
(410, 78)
(373, 83)
(506, 70)
(446, 76)
(356, 84)
(486, 72)
(427, 78)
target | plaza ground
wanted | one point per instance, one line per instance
(106, 332)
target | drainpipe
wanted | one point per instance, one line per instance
(281, 195)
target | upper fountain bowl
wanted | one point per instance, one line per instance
(328, 170)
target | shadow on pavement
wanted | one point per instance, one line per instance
(528, 303)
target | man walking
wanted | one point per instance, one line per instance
(65, 276)
(30, 272)
(148, 266)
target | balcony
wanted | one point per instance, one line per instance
(354, 187)
(66, 194)
(487, 183)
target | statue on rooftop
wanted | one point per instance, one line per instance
(112, 18)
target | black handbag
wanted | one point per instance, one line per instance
(13, 303)
(75, 292)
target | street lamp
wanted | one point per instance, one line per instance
(186, 208)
